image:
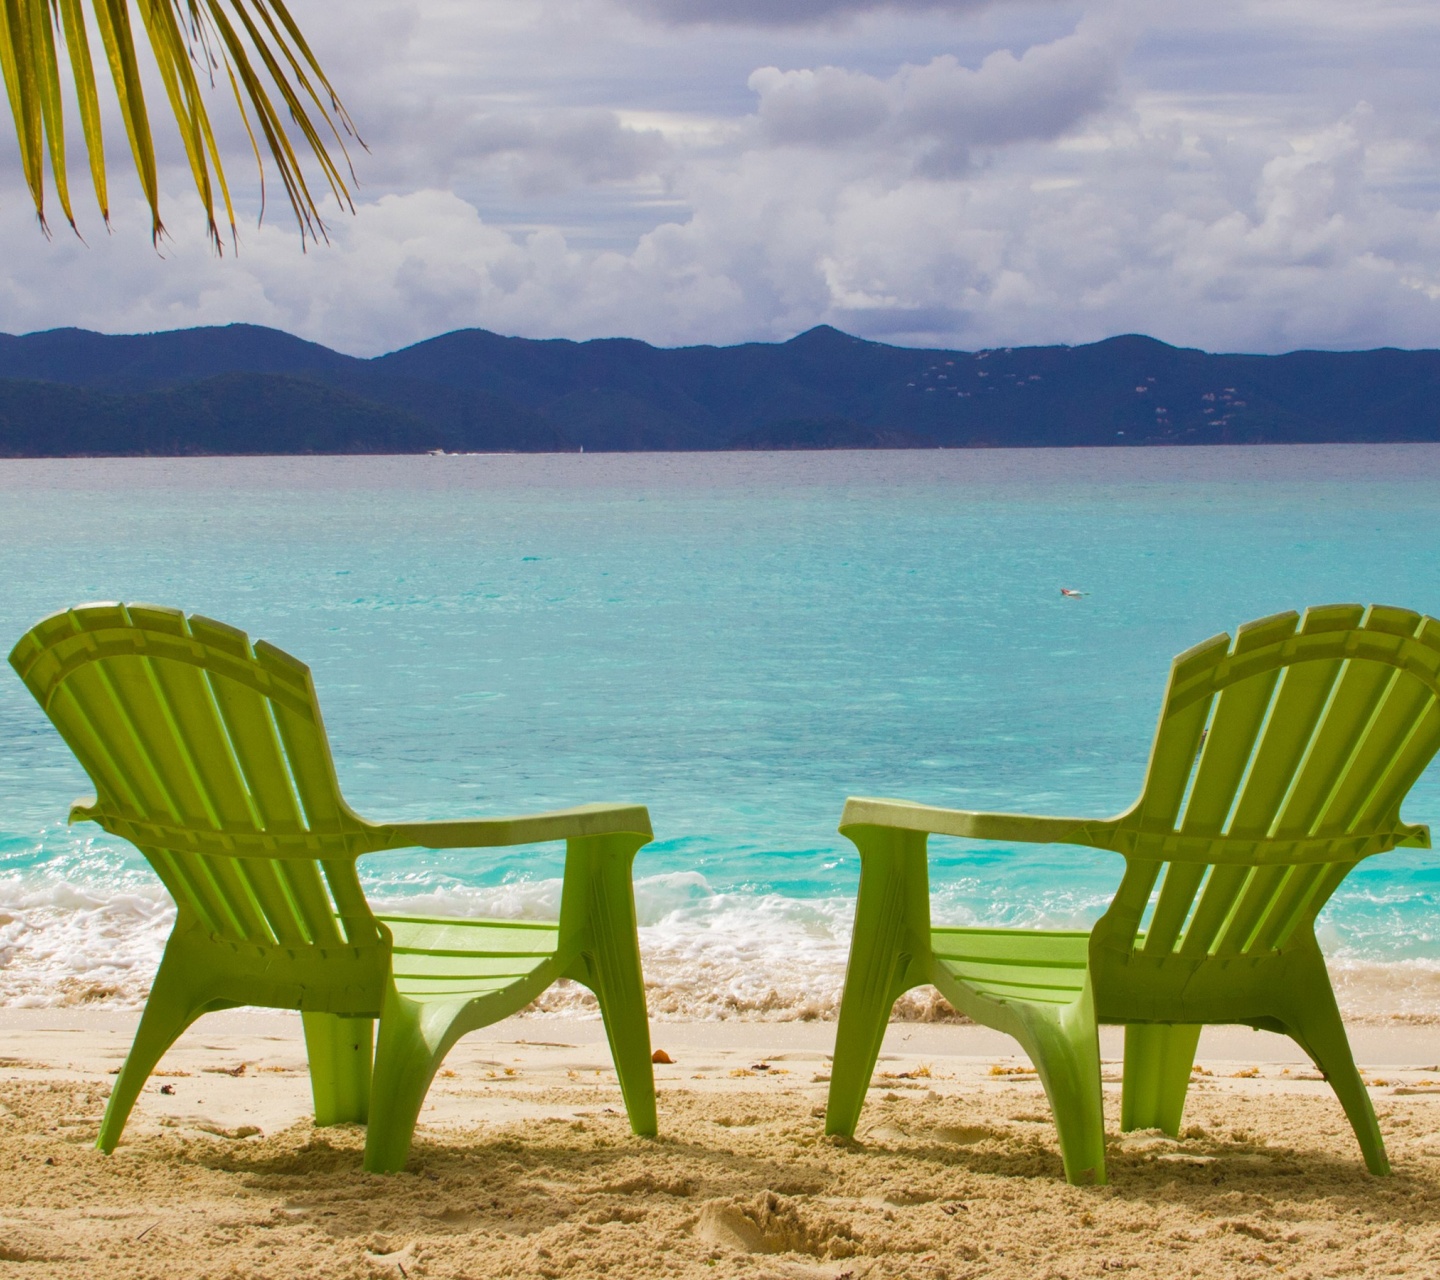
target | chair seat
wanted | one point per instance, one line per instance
(446, 958)
(1015, 965)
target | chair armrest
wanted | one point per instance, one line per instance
(530, 828)
(1417, 836)
(865, 811)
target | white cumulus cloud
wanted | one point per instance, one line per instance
(1250, 175)
(943, 105)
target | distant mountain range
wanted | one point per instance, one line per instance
(242, 389)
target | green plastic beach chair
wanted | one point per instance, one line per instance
(209, 755)
(1279, 763)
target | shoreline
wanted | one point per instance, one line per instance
(717, 956)
(1374, 995)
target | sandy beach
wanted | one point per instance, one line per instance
(524, 1165)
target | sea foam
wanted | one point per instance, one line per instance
(707, 955)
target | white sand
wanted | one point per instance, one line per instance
(524, 1165)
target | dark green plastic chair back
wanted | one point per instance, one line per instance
(1279, 763)
(209, 755)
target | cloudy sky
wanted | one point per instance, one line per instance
(1238, 175)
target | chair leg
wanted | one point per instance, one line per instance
(619, 986)
(172, 1006)
(413, 1041)
(864, 1013)
(1318, 1029)
(1158, 1058)
(892, 908)
(341, 1051)
(598, 932)
(1064, 1045)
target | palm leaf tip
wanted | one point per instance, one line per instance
(285, 100)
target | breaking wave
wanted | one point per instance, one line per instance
(708, 955)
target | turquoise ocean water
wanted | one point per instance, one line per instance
(738, 641)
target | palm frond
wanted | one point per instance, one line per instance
(255, 45)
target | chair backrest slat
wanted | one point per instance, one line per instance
(193, 723)
(185, 693)
(1299, 702)
(1409, 763)
(195, 739)
(1177, 895)
(250, 728)
(99, 711)
(351, 907)
(1327, 879)
(90, 699)
(1216, 903)
(1177, 740)
(194, 889)
(1361, 717)
(1291, 902)
(1361, 796)
(311, 904)
(1254, 902)
(172, 712)
(1239, 715)
(1133, 895)
(1314, 733)
(1360, 694)
(156, 744)
(256, 881)
(306, 750)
